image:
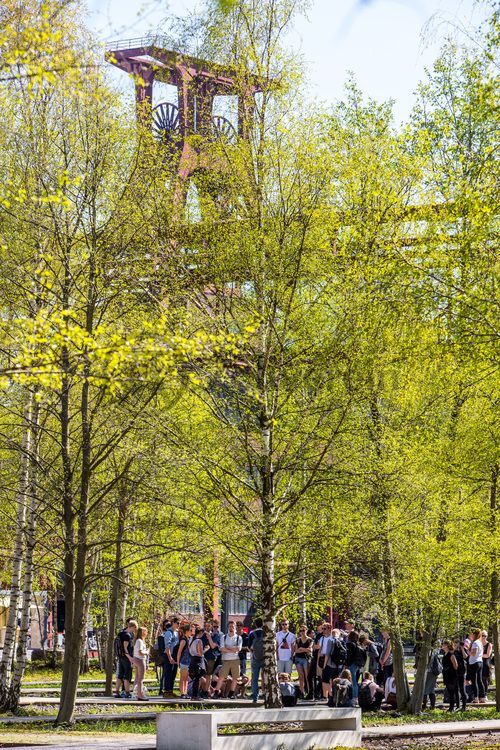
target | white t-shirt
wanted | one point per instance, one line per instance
(390, 686)
(325, 644)
(285, 641)
(139, 646)
(479, 652)
(229, 641)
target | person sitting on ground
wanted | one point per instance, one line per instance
(342, 694)
(213, 680)
(241, 686)
(287, 690)
(370, 694)
(390, 699)
(228, 688)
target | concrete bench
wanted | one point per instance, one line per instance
(200, 730)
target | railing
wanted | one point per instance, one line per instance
(151, 40)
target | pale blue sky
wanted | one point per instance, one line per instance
(383, 42)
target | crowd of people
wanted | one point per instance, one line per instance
(344, 667)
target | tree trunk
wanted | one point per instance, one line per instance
(75, 628)
(272, 695)
(402, 688)
(76, 566)
(495, 580)
(417, 694)
(381, 502)
(17, 559)
(71, 659)
(123, 598)
(12, 699)
(302, 597)
(54, 629)
(113, 600)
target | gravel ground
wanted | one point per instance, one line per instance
(457, 742)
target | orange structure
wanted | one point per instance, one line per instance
(197, 83)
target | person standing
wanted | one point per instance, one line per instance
(140, 662)
(211, 641)
(386, 657)
(244, 648)
(256, 646)
(183, 659)
(355, 660)
(230, 646)
(160, 651)
(196, 661)
(125, 659)
(303, 656)
(372, 654)
(285, 645)
(476, 651)
(434, 669)
(450, 674)
(323, 648)
(486, 673)
(349, 626)
(171, 640)
(460, 656)
(315, 690)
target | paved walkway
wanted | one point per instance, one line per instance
(148, 741)
(90, 742)
(438, 728)
(154, 700)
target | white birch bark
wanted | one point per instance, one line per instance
(17, 559)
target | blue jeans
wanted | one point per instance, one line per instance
(353, 669)
(169, 673)
(256, 667)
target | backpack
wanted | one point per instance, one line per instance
(365, 696)
(338, 652)
(157, 651)
(258, 647)
(360, 656)
(340, 697)
(436, 666)
(118, 646)
(153, 655)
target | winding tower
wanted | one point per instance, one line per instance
(189, 124)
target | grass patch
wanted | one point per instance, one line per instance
(40, 672)
(81, 728)
(428, 717)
